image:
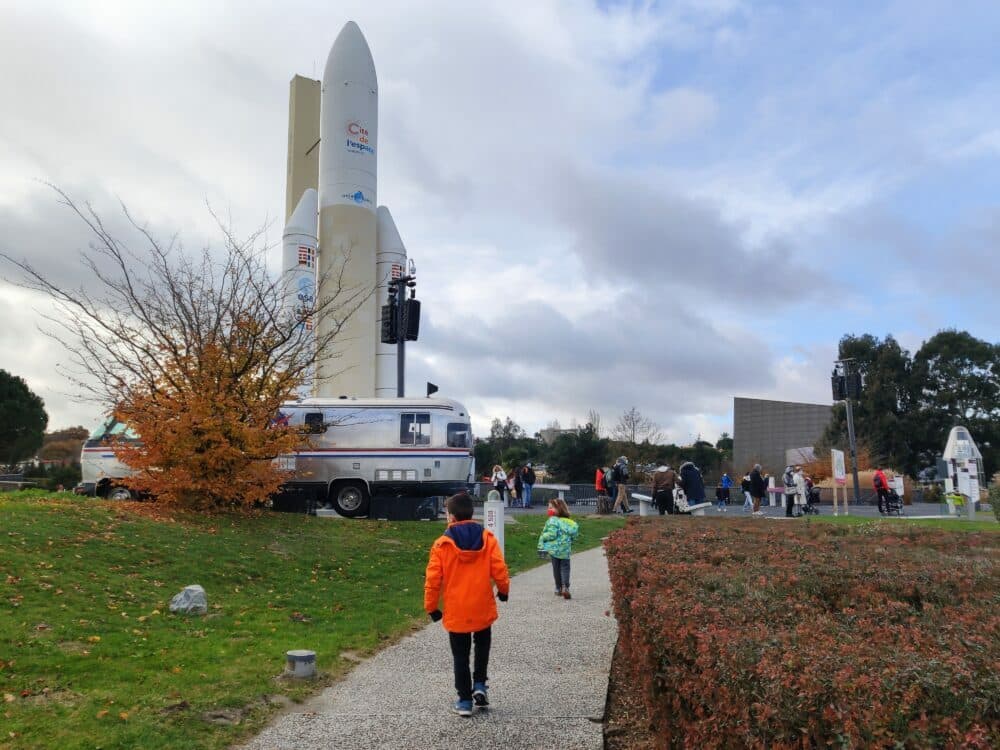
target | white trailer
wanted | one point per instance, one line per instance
(353, 449)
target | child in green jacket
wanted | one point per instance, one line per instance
(557, 540)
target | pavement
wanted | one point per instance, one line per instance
(549, 667)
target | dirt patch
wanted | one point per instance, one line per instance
(626, 721)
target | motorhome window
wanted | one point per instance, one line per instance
(110, 428)
(458, 435)
(314, 422)
(415, 429)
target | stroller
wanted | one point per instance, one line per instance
(812, 502)
(893, 503)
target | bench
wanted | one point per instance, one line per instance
(680, 502)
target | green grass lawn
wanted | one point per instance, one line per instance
(90, 655)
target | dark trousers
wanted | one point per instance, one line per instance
(664, 500)
(560, 572)
(461, 645)
(883, 500)
(789, 505)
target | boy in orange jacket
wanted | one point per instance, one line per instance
(464, 563)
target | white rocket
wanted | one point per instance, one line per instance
(359, 246)
(298, 265)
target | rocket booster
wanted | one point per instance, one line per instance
(347, 219)
(390, 258)
(298, 267)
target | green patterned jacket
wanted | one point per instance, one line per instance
(557, 537)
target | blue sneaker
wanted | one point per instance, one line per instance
(479, 695)
(462, 708)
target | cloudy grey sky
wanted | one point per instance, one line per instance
(659, 205)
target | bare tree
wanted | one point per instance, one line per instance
(156, 306)
(594, 419)
(634, 428)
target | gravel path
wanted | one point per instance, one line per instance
(549, 670)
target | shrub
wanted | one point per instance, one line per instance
(782, 636)
(994, 498)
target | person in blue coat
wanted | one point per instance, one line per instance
(692, 483)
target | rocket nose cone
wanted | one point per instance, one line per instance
(388, 235)
(350, 59)
(303, 218)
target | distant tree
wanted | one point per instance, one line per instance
(573, 457)
(504, 434)
(594, 418)
(956, 381)
(633, 428)
(195, 354)
(725, 444)
(22, 420)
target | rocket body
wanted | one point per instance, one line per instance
(298, 277)
(347, 218)
(390, 261)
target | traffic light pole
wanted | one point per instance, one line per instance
(401, 336)
(854, 453)
(845, 366)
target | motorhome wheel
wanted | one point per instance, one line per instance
(350, 499)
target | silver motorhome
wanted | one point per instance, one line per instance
(355, 448)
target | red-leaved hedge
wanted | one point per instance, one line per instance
(781, 635)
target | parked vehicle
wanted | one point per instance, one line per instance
(353, 449)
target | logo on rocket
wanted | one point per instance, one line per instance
(358, 197)
(357, 139)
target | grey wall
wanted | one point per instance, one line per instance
(763, 430)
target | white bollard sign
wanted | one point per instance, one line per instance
(493, 516)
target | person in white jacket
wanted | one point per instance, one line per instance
(801, 490)
(499, 482)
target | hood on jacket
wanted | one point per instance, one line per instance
(467, 535)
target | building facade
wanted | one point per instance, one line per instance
(764, 430)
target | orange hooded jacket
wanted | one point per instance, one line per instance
(464, 563)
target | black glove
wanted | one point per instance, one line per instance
(435, 615)
(502, 597)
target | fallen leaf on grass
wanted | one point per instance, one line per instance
(102, 713)
(8, 698)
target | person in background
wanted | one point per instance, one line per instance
(881, 485)
(692, 483)
(465, 562)
(499, 482)
(801, 490)
(789, 479)
(601, 488)
(747, 497)
(725, 484)
(664, 482)
(557, 540)
(527, 482)
(619, 473)
(515, 476)
(758, 486)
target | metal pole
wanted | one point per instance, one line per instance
(401, 338)
(854, 452)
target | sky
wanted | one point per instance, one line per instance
(610, 205)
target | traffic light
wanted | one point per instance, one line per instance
(411, 319)
(389, 333)
(839, 387)
(853, 385)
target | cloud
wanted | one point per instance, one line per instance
(611, 205)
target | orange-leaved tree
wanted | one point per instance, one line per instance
(195, 355)
(210, 439)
